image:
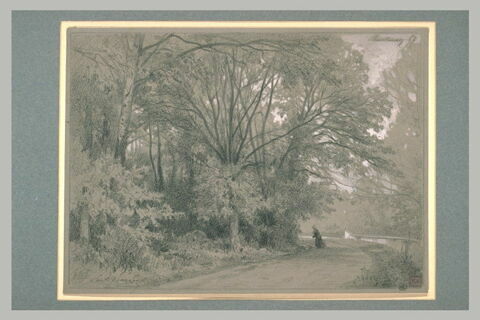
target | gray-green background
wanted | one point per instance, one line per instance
(35, 52)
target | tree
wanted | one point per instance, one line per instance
(91, 111)
(127, 60)
(407, 138)
(397, 195)
(228, 98)
(246, 122)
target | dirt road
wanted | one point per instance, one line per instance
(313, 269)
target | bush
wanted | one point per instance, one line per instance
(390, 269)
(74, 225)
(176, 224)
(270, 229)
(123, 250)
(180, 196)
(97, 228)
(158, 245)
(83, 253)
(215, 227)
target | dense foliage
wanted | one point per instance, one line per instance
(390, 269)
(224, 142)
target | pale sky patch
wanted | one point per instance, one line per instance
(412, 96)
(277, 117)
(380, 52)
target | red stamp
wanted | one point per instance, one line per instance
(415, 281)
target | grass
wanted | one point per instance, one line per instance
(205, 265)
(183, 259)
(390, 269)
(308, 269)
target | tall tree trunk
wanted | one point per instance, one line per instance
(150, 154)
(128, 98)
(105, 134)
(121, 151)
(124, 120)
(234, 218)
(234, 232)
(161, 180)
(173, 173)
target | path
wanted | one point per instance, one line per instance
(313, 269)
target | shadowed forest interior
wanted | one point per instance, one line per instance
(190, 152)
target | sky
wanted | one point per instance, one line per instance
(380, 53)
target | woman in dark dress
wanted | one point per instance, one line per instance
(318, 238)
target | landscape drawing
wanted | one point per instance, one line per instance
(246, 161)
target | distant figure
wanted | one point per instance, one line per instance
(318, 238)
(349, 236)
